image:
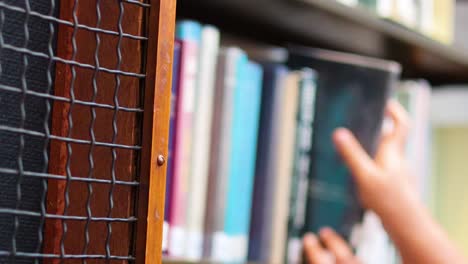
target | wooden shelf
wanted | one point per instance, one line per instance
(328, 24)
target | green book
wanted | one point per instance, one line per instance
(352, 92)
(369, 4)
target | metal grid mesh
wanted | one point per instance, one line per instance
(71, 80)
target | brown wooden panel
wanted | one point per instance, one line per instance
(160, 28)
(104, 91)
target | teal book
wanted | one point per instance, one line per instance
(369, 4)
(352, 92)
(231, 60)
(245, 123)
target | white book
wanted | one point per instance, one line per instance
(403, 11)
(448, 106)
(372, 243)
(419, 93)
(202, 119)
(426, 16)
(349, 2)
(407, 12)
(385, 8)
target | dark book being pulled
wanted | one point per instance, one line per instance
(351, 92)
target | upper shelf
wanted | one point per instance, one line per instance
(328, 24)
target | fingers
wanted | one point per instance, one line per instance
(356, 158)
(336, 251)
(400, 120)
(336, 245)
(314, 252)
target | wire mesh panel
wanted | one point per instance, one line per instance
(71, 106)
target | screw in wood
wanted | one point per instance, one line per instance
(161, 160)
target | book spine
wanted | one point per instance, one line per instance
(349, 2)
(384, 8)
(264, 182)
(201, 134)
(369, 4)
(189, 33)
(426, 15)
(171, 143)
(417, 95)
(300, 182)
(284, 167)
(214, 237)
(443, 26)
(242, 166)
(425, 123)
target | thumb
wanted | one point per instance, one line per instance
(355, 157)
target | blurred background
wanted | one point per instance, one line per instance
(427, 38)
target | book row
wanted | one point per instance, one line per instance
(433, 18)
(252, 166)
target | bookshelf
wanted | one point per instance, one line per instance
(316, 23)
(295, 21)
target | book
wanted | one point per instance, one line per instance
(352, 92)
(230, 60)
(348, 2)
(444, 21)
(284, 168)
(188, 32)
(404, 12)
(369, 4)
(300, 171)
(372, 242)
(386, 8)
(415, 96)
(450, 142)
(246, 112)
(260, 237)
(171, 143)
(256, 51)
(426, 16)
(461, 38)
(202, 118)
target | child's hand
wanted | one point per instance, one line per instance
(383, 186)
(382, 183)
(336, 251)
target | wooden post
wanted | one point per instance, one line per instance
(160, 28)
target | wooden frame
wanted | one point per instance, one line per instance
(161, 27)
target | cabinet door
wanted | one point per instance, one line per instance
(85, 86)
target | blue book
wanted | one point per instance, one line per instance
(264, 187)
(246, 112)
(172, 129)
(188, 30)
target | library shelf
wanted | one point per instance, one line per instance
(329, 24)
